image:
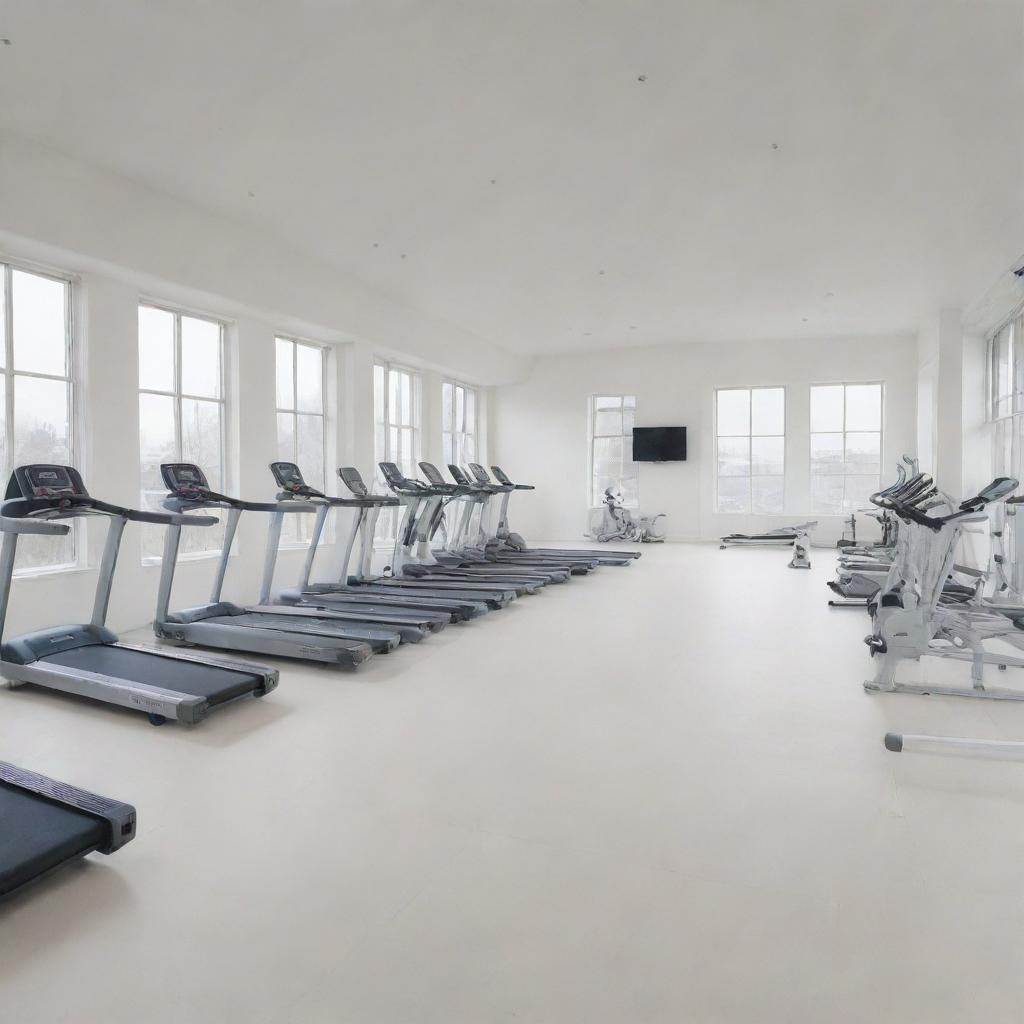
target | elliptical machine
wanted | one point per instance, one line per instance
(618, 523)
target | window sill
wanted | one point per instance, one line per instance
(44, 572)
(192, 556)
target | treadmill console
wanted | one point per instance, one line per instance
(392, 474)
(289, 478)
(432, 473)
(459, 475)
(184, 478)
(46, 481)
(479, 472)
(501, 476)
(353, 480)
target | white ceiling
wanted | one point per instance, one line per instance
(564, 174)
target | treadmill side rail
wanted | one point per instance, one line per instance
(138, 696)
(120, 817)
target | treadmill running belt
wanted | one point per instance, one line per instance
(217, 685)
(36, 835)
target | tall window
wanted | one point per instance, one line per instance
(181, 411)
(37, 393)
(1006, 412)
(396, 428)
(301, 429)
(458, 423)
(846, 446)
(750, 450)
(611, 448)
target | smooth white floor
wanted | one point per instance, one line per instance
(658, 794)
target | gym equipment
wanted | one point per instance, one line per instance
(797, 537)
(510, 544)
(411, 621)
(46, 824)
(957, 746)
(466, 603)
(618, 523)
(268, 629)
(89, 660)
(467, 551)
(911, 621)
(411, 555)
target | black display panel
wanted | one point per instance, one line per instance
(659, 444)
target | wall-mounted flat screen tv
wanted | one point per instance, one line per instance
(659, 444)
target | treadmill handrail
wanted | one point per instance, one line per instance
(33, 509)
(9, 524)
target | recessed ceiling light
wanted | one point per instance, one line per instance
(5, 42)
(804, 319)
(775, 145)
(641, 78)
(403, 255)
(632, 327)
(252, 195)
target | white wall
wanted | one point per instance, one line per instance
(540, 425)
(123, 242)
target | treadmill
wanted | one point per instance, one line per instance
(478, 597)
(46, 824)
(507, 539)
(411, 620)
(307, 635)
(579, 562)
(454, 558)
(87, 659)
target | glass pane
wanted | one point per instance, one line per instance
(470, 410)
(3, 418)
(378, 393)
(607, 424)
(40, 323)
(858, 492)
(768, 411)
(409, 467)
(733, 456)
(733, 494)
(3, 316)
(733, 412)
(156, 349)
(156, 445)
(826, 493)
(286, 439)
(394, 388)
(392, 453)
(406, 382)
(629, 402)
(460, 408)
(41, 421)
(309, 371)
(863, 454)
(630, 485)
(628, 421)
(285, 375)
(310, 443)
(827, 453)
(469, 447)
(447, 408)
(608, 458)
(201, 438)
(200, 357)
(379, 450)
(767, 455)
(607, 402)
(864, 407)
(767, 494)
(826, 407)
(447, 446)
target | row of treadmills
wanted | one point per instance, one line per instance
(454, 559)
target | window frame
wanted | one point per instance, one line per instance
(750, 435)
(178, 396)
(301, 521)
(595, 501)
(457, 447)
(10, 373)
(844, 384)
(388, 521)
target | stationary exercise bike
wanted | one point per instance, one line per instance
(618, 523)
